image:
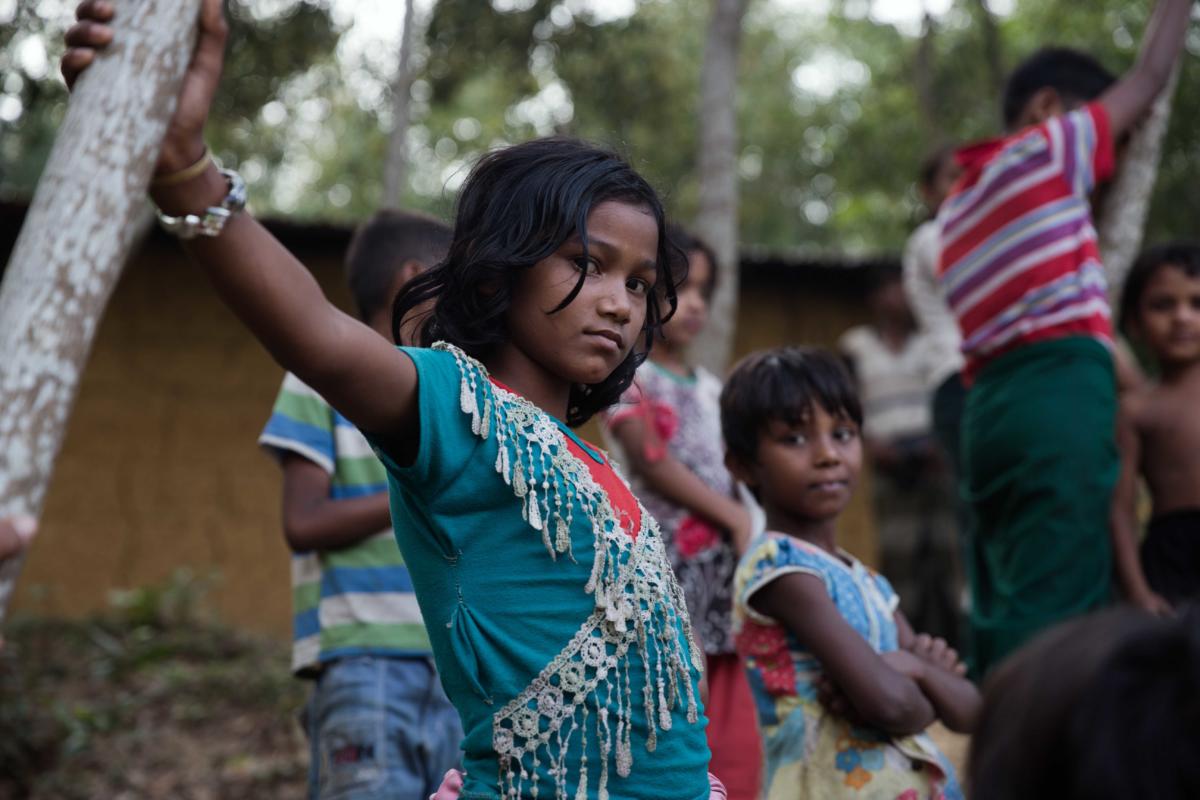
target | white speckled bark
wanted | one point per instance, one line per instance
(1123, 219)
(78, 233)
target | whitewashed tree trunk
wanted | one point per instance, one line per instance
(395, 169)
(717, 220)
(79, 231)
(1122, 220)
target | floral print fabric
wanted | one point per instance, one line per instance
(683, 419)
(811, 753)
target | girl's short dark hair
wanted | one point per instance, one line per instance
(782, 385)
(517, 207)
(690, 243)
(1181, 255)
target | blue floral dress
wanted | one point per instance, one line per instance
(810, 752)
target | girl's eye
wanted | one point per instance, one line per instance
(639, 286)
(798, 439)
(587, 265)
(844, 434)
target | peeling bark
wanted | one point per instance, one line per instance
(395, 168)
(1122, 220)
(81, 226)
(717, 220)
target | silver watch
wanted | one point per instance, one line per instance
(212, 222)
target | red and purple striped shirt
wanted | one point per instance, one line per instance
(1019, 262)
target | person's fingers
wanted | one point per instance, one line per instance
(960, 669)
(214, 30)
(937, 648)
(75, 61)
(88, 34)
(101, 10)
(921, 643)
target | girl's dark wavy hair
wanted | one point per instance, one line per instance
(517, 207)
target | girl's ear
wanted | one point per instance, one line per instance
(741, 470)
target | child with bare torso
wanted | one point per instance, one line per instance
(1159, 432)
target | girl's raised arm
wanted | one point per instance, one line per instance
(356, 370)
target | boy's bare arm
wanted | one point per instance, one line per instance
(680, 485)
(266, 287)
(312, 520)
(1123, 514)
(1162, 42)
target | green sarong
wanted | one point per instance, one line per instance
(1040, 462)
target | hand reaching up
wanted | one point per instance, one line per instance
(183, 144)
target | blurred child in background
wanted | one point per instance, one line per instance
(1159, 433)
(668, 428)
(913, 493)
(378, 722)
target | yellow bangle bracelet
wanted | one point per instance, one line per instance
(184, 175)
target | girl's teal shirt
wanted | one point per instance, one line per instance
(563, 642)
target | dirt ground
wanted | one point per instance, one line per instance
(142, 705)
(124, 711)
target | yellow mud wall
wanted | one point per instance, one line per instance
(160, 469)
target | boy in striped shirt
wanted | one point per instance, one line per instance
(1021, 273)
(378, 722)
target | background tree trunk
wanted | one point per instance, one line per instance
(717, 220)
(395, 169)
(923, 72)
(78, 233)
(1122, 220)
(991, 47)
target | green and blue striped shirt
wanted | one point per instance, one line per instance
(356, 600)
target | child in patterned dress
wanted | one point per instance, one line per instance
(845, 689)
(668, 429)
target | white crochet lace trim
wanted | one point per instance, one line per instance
(639, 611)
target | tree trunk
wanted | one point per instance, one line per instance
(1122, 220)
(79, 231)
(923, 76)
(717, 220)
(395, 169)
(991, 48)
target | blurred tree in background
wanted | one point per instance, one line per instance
(833, 119)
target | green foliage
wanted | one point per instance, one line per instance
(831, 130)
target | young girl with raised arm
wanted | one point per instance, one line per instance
(844, 688)
(559, 631)
(668, 426)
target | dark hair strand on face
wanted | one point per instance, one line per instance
(516, 208)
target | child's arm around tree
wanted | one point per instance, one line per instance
(1123, 517)
(899, 692)
(358, 372)
(1133, 94)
